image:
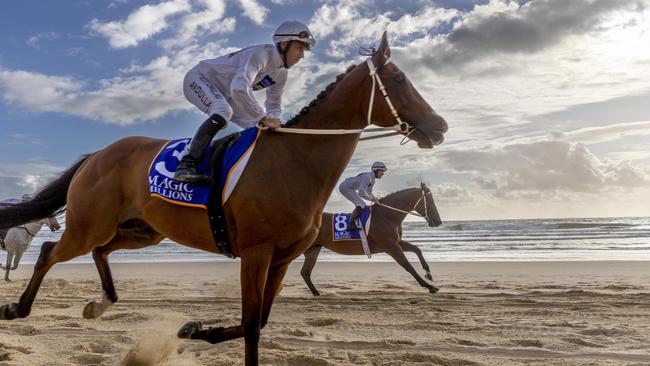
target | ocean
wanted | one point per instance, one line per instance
(579, 239)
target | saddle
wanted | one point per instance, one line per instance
(224, 161)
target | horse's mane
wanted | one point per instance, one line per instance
(306, 109)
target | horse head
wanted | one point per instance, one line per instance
(427, 207)
(419, 121)
(52, 223)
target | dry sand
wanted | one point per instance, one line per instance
(490, 313)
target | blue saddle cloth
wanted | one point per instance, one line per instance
(340, 225)
(161, 172)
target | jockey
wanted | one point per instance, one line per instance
(354, 188)
(223, 88)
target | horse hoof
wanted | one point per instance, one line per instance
(92, 310)
(428, 276)
(189, 329)
(8, 311)
(433, 290)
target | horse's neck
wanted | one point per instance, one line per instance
(404, 200)
(324, 157)
(34, 227)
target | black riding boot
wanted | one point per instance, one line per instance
(186, 170)
(354, 216)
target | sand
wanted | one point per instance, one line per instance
(487, 313)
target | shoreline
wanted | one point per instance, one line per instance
(613, 268)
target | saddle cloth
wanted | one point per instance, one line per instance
(161, 172)
(340, 225)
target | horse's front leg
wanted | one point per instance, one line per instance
(406, 246)
(255, 263)
(397, 253)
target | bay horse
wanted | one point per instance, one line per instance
(272, 215)
(384, 236)
(18, 239)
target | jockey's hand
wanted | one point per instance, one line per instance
(271, 122)
(375, 200)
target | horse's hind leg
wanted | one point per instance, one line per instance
(7, 267)
(406, 246)
(397, 253)
(78, 239)
(311, 255)
(17, 257)
(95, 309)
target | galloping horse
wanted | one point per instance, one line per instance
(18, 239)
(384, 236)
(272, 216)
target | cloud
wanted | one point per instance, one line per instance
(347, 23)
(254, 10)
(544, 166)
(142, 93)
(35, 41)
(501, 27)
(18, 179)
(207, 19)
(140, 25)
(617, 131)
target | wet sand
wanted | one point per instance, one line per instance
(486, 313)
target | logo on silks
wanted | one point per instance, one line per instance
(340, 225)
(265, 82)
(161, 176)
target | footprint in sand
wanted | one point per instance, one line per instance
(300, 360)
(128, 317)
(88, 359)
(321, 322)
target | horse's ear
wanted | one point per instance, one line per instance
(423, 186)
(383, 52)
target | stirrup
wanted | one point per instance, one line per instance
(190, 176)
(352, 226)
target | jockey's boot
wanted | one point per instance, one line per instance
(186, 170)
(354, 216)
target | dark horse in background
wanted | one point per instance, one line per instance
(272, 216)
(384, 236)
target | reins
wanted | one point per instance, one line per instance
(400, 127)
(426, 212)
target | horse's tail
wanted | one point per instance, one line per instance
(48, 201)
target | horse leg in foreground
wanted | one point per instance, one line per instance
(398, 254)
(408, 247)
(260, 282)
(311, 255)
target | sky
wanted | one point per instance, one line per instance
(548, 101)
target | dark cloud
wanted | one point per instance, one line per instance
(533, 27)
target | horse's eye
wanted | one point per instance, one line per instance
(400, 77)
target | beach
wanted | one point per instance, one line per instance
(486, 313)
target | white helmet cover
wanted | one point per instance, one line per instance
(294, 31)
(378, 165)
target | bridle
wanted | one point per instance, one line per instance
(411, 212)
